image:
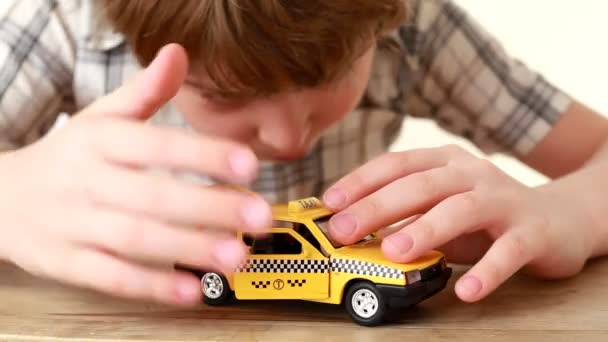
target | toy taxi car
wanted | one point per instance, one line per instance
(299, 260)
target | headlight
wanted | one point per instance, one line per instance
(413, 276)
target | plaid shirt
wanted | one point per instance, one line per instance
(440, 64)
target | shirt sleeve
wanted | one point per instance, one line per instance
(464, 79)
(36, 59)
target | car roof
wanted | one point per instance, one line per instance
(302, 209)
(296, 210)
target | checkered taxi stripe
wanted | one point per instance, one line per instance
(285, 266)
(260, 284)
(296, 282)
(365, 268)
(320, 266)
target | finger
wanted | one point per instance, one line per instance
(147, 240)
(399, 200)
(149, 90)
(467, 249)
(171, 200)
(366, 179)
(103, 272)
(457, 215)
(391, 229)
(146, 146)
(508, 254)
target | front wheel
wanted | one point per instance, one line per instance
(365, 304)
(215, 288)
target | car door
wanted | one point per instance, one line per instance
(283, 265)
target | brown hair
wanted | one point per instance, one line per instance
(253, 47)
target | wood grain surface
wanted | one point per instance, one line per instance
(524, 309)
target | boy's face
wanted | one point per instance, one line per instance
(282, 127)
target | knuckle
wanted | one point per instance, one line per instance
(541, 227)
(485, 167)
(469, 206)
(425, 183)
(425, 231)
(518, 247)
(156, 194)
(35, 263)
(186, 150)
(90, 190)
(493, 274)
(399, 161)
(116, 284)
(356, 181)
(372, 206)
(155, 145)
(79, 131)
(167, 143)
(395, 158)
(454, 150)
(154, 201)
(76, 270)
(129, 235)
(92, 134)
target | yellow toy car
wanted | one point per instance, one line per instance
(299, 260)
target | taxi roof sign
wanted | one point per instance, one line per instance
(304, 204)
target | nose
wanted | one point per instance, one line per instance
(286, 124)
(285, 135)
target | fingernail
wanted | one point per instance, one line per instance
(469, 286)
(400, 242)
(256, 214)
(344, 224)
(334, 199)
(188, 291)
(229, 254)
(242, 163)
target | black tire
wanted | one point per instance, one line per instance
(215, 288)
(366, 315)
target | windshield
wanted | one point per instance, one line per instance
(323, 224)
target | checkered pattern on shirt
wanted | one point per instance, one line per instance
(284, 266)
(365, 268)
(440, 65)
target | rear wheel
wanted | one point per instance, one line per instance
(365, 304)
(215, 288)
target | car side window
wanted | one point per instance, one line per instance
(276, 243)
(301, 229)
(305, 232)
(248, 240)
(283, 224)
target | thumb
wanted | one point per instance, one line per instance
(141, 97)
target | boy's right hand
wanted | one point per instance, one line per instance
(81, 205)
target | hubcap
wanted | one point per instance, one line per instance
(212, 285)
(365, 303)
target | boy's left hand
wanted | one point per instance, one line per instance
(466, 207)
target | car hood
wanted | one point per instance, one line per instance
(370, 251)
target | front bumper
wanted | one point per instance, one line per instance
(433, 280)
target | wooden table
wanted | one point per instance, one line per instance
(524, 309)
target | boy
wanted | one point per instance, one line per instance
(310, 93)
